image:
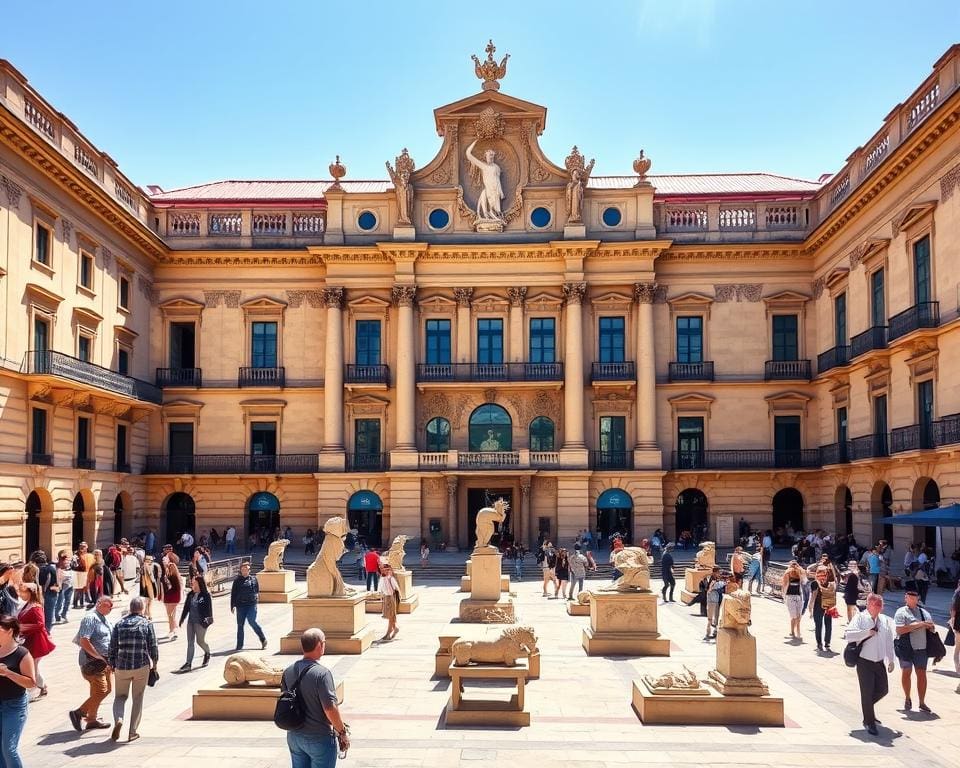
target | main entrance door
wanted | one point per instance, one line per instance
(477, 499)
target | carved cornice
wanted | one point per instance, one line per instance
(463, 296)
(231, 299)
(404, 295)
(253, 259)
(738, 292)
(644, 293)
(721, 252)
(333, 297)
(638, 251)
(573, 293)
(517, 295)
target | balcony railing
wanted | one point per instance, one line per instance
(262, 377)
(835, 453)
(702, 371)
(779, 370)
(833, 358)
(487, 459)
(869, 446)
(490, 372)
(433, 460)
(367, 374)
(611, 459)
(872, 338)
(946, 431)
(806, 458)
(85, 463)
(925, 315)
(543, 459)
(366, 462)
(59, 364)
(625, 371)
(179, 377)
(121, 467)
(232, 464)
(911, 438)
(46, 459)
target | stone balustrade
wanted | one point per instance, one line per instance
(241, 227)
(713, 222)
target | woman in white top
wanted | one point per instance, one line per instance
(389, 596)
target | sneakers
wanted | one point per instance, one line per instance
(872, 730)
(263, 644)
(907, 704)
(115, 733)
(74, 715)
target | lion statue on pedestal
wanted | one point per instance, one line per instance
(244, 668)
(707, 556)
(395, 553)
(514, 643)
(634, 564)
(323, 576)
(273, 560)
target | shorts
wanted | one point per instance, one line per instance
(549, 573)
(712, 610)
(919, 660)
(794, 605)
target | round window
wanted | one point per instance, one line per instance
(612, 216)
(439, 218)
(367, 221)
(540, 217)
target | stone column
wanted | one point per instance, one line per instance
(333, 371)
(573, 366)
(524, 523)
(404, 296)
(453, 535)
(463, 296)
(517, 296)
(646, 368)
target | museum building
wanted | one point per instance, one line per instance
(618, 353)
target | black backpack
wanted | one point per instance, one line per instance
(289, 713)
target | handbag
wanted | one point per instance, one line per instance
(951, 638)
(153, 677)
(935, 648)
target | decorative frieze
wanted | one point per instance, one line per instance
(148, 291)
(818, 285)
(106, 257)
(517, 295)
(738, 292)
(66, 229)
(404, 295)
(313, 297)
(333, 297)
(573, 293)
(13, 190)
(230, 299)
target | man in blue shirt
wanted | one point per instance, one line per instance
(874, 560)
(93, 637)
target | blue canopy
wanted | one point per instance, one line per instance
(364, 500)
(264, 502)
(614, 498)
(943, 517)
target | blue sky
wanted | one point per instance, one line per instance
(179, 93)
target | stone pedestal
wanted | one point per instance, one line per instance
(736, 672)
(577, 609)
(486, 604)
(342, 619)
(487, 712)
(705, 709)
(277, 586)
(444, 657)
(408, 599)
(691, 583)
(624, 623)
(249, 702)
(467, 580)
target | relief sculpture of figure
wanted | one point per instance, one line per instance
(488, 205)
(634, 564)
(486, 517)
(323, 576)
(273, 560)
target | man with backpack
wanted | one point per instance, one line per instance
(307, 709)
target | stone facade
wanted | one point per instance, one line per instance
(612, 341)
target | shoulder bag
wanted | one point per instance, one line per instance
(851, 654)
(935, 647)
(289, 714)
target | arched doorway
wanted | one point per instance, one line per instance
(365, 514)
(477, 499)
(692, 514)
(118, 510)
(181, 514)
(787, 511)
(926, 495)
(76, 529)
(615, 515)
(881, 505)
(843, 511)
(263, 515)
(33, 507)
(491, 429)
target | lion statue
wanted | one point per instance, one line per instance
(584, 597)
(273, 560)
(634, 564)
(707, 556)
(244, 668)
(514, 643)
(486, 518)
(735, 611)
(674, 681)
(323, 576)
(395, 553)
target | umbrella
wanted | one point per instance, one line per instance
(944, 517)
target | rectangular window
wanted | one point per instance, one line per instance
(690, 439)
(84, 348)
(613, 434)
(785, 346)
(880, 415)
(925, 412)
(841, 425)
(438, 342)
(83, 438)
(182, 345)
(41, 335)
(490, 341)
(123, 362)
(612, 339)
(786, 433)
(86, 270)
(543, 340)
(263, 352)
(38, 442)
(840, 320)
(124, 300)
(368, 342)
(878, 309)
(367, 437)
(921, 270)
(43, 240)
(180, 439)
(122, 459)
(690, 339)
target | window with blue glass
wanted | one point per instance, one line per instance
(543, 340)
(921, 270)
(263, 353)
(366, 434)
(367, 346)
(490, 341)
(612, 345)
(438, 435)
(785, 345)
(840, 320)
(878, 308)
(690, 339)
(490, 429)
(613, 434)
(542, 434)
(437, 342)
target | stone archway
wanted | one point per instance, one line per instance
(926, 495)
(692, 514)
(788, 509)
(842, 511)
(881, 505)
(180, 512)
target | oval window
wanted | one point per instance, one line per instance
(439, 218)
(612, 216)
(540, 217)
(367, 221)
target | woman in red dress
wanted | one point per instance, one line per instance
(171, 597)
(33, 629)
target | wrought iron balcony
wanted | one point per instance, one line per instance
(367, 462)
(232, 464)
(835, 453)
(121, 467)
(367, 374)
(611, 459)
(46, 459)
(262, 377)
(833, 358)
(85, 463)
(488, 459)
(702, 371)
(924, 315)
(806, 458)
(911, 438)
(625, 371)
(780, 370)
(179, 377)
(872, 338)
(489, 372)
(58, 364)
(869, 447)
(946, 431)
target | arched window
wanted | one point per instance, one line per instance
(438, 435)
(541, 434)
(491, 429)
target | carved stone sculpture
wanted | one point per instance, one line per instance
(707, 556)
(736, 672)
(514, 643)
(584, 596)
(634, 564)
(735, 611)
(244, 668)
(403, 186)
(491, 194)
(323, 576)
(489, 71)
(273, 561)
(395, 553)
(674, 681)
(579, 175)
(486, 517)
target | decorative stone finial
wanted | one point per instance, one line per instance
(338, 170)
(489, 71)
(641, 166)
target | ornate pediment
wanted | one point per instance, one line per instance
(787, 401)
(543, 302)
(368, 305)
(263, 305)
(181, 307)
(912, 215)
(438, 304)
(367, 405)
(612, 301)
(490, 302)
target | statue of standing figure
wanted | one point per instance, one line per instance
(488, 205)
(486, 517)
(403, 186)
(323, 576)
(579, 175)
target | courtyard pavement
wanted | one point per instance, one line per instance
(581, 711)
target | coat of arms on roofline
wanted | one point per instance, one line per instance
(489, 71)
